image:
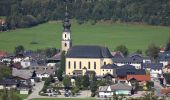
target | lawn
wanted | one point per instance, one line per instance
(134, 36)
(64, 99)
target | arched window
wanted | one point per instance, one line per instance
(88, 65)
(69, 64)
(65, 35)
(74, 65)
(80, 64)
(65, 44)
(94, 65)
(104, 63)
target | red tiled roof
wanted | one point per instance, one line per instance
(139, 77)
(2, 21)
(3, 54)
(17, 65)
(165, 91)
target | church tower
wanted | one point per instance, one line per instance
(66, 42)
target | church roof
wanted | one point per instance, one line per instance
(88, 51)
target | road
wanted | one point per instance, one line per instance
(36, 89)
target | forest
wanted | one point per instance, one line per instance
(27, 13)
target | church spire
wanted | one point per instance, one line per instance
(66, 23)
(66, 41)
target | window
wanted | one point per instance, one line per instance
(69, 64)
(88, 65)
(74, 65)
(94, 65)
(65, 35)
(104, 63)
(80, 64)
(65, 44)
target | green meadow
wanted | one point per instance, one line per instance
(134, 36)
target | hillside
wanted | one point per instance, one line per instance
(105, 34)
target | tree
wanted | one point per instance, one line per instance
(93, 88)
(123, 49)
(5, 71)
(75, 90)
(61, 70)
(168, 45)
(139, 51)
(9, 95)
(34, 74)
(67, 82)
(152, 51)
(78, 81)
(50, 52)
(19, 49)
(149, 85)
(85, 81)
(149, 96)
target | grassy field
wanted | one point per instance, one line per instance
(105, 34)
(64, 99)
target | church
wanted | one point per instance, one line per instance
(82, 59)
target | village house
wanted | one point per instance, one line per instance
(8, 84)
(109, 71)
(43, 71)
(166, 69)
(128, 60)
(22, 74)
(154, 68)
(141, 79)
(3, 54)
(124, 71)
(164, 58)
(117, 89)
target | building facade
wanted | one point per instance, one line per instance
(80, 59)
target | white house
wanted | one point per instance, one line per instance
(42, 75)
(105, 92)
(137, 63)
(117, 89)
(8, 84)
(154, 68)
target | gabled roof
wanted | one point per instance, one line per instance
(125, 72)
(127, 60)
(109, 66)
(135, 55)
(121, 86)
(22, 73)
(117, 54)
(139, 77)
(165, 54)
(88, 51)
(153, 65)
(103, 88)
(8, 82)
(127, 66)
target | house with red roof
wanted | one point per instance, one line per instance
(3, 54)
(139, 78)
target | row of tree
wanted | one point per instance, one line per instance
(152, 51)
(26, 13)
